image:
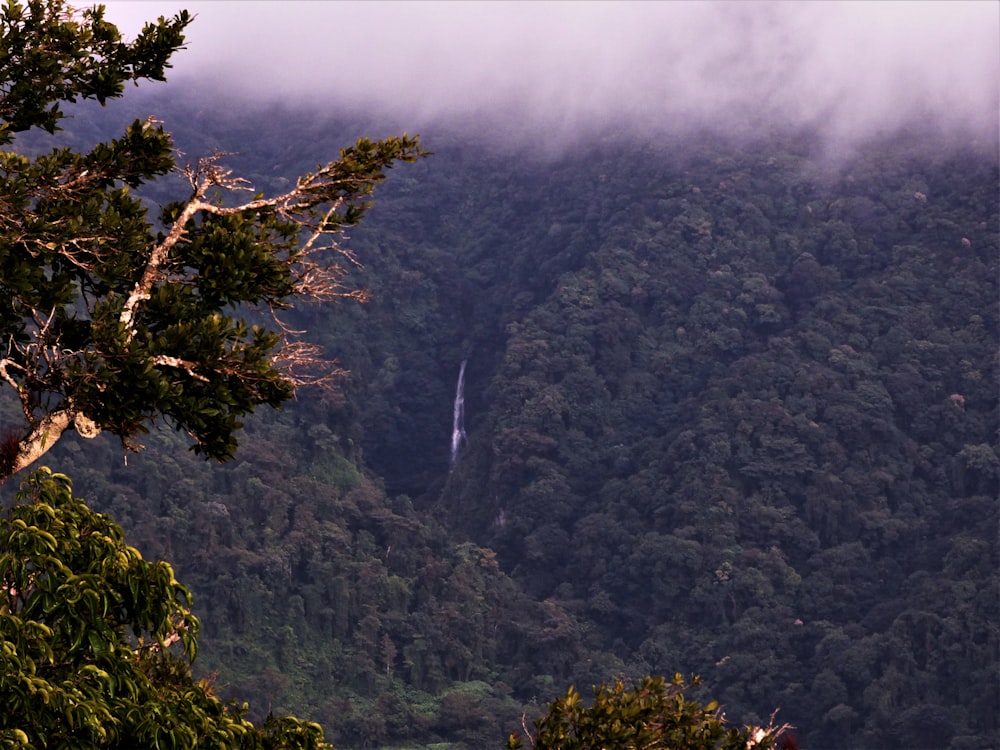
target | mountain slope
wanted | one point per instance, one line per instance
(732, 409)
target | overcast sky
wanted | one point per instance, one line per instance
(853, 67)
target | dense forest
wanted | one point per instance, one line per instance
(731, 409)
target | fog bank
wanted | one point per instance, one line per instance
(851, 69)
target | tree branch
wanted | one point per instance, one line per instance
(42, 437)
(156, 259)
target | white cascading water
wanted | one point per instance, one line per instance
(458, 418)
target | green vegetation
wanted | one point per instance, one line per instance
(85, 630)
(110, 323)
(732, 410)
(116, 321)
(729, 413)
(652, 716)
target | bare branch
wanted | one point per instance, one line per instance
(22, 393)
(303, 364)
(42, 437)
(174, 636)
(156, 259)
(314, 280)
(187, 366)
(527, 733)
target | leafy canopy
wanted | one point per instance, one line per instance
(112, 319)
(86, 627)
(51, 54)
(654, 714)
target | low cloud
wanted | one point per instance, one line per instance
(853, 69)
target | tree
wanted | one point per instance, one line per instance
(112, 320)
(653, 714)
(87, 636)
(115, 320)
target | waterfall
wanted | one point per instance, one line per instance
(458, 416)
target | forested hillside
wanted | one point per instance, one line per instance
(731, 409)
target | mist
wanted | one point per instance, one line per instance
(554, 70)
